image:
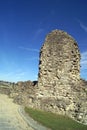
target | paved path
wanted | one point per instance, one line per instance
(10, 119)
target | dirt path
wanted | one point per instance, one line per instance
(10, 119)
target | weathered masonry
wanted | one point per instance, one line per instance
(59, 60)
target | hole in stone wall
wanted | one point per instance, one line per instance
(70, 70)
(72, 52)
(40, 62)
(75, 44)
(74, 60)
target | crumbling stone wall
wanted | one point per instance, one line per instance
(60, 89)
(59, 61)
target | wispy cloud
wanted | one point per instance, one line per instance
(28, 49)
(6, 74)
(38, 32)
(13, 76)
(84, 27)
(20, 74)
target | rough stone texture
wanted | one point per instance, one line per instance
(6, 87)
(60, 88)
(22, 92)
(59, 60)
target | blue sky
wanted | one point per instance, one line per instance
(23, 27)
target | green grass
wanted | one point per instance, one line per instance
(53, 121)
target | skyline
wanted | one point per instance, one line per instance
(23, 27)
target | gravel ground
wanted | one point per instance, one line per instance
(10, 118)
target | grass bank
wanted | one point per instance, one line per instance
(53, 121)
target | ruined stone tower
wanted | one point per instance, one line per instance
(59, 61)
(60, 88)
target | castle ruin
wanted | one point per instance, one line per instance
(60, 88)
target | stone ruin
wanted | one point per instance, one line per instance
(60, 88)
(59, 62)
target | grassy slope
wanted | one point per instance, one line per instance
(53, 121)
